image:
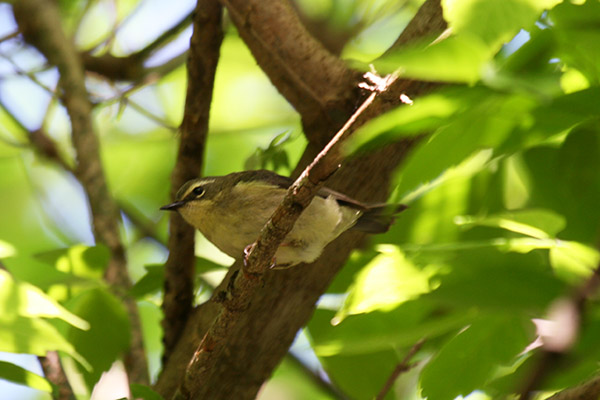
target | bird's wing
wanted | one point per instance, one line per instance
(285, 182)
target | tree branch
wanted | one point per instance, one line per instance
(243, 286)
(316, 83)
(429, 21)
(179, 269)
(264, 332)
(131, 67)
(54, 372)
(39, 22)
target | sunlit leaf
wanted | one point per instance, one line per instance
(493, 21)
(541, 224)
(578, 23)
(79, 260)
(35, 336)
(425, 114)
(468, 133)
(25, 300)
(6, 249)
(454, 59)
(16, 374)
(388, 280)
(573, 261)
(43, 275)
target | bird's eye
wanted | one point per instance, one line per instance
(198, 191)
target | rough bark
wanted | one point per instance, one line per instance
(180, 266)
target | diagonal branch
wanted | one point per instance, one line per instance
(243, 286)
(402, 367)
(131, 67)
(54, 372)
(39, 22)
(179, 270)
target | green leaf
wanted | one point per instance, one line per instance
(6, 249)
(35, 336)
(564, 112)
(109, 333)
(530, 69)
(493, 21)
(573, 261)
(488, 279)
(381, 331)
(41, 274)
(362, 375)
(25, 300)
(454, 59)
(144, 392)
(153, 280)
(474, 130)
(566, 179)
(388, 280)
(468, 360)
(578, 24)
(425, 114)
(537, 223)
(274, 154)
(16, 374)
(80, 260)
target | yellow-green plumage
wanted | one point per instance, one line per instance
(230, 211)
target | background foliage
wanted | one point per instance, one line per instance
(501, 233)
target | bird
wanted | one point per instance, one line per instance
(231, 210)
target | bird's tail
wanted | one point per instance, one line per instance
(378, 218)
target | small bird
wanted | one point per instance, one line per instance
(231, 210)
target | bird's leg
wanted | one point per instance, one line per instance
(247, 251)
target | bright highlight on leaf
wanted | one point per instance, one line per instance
(16, 374)
(6, 249)
(425, 114)
(540, 224)
(458, 59)
(495, 22)
(25, 300)
(388, 280)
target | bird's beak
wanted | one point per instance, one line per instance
(173, 206)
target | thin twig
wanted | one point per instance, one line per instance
(9, 36)
(135, 106)
(28, 74)
(402, 367)
(131, 67)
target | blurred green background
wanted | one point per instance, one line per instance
(503, 196)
